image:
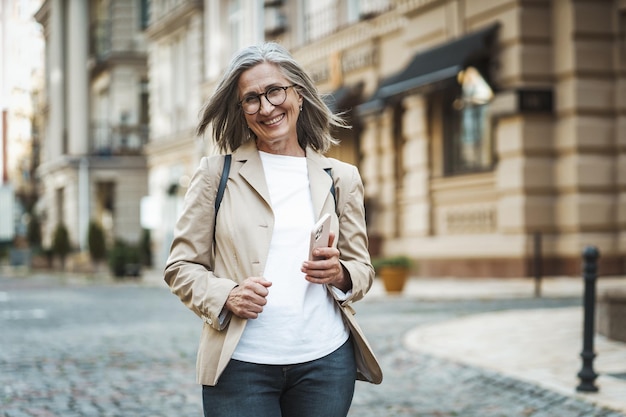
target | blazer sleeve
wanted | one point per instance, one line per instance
(188, 270)
(353, 243)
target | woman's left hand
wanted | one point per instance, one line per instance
(328, 269)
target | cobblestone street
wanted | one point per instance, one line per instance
(126, 349)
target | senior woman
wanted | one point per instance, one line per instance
(273, 342)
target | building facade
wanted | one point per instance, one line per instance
(490, 134)
(487, 127)
(190, 43)
(487, 132)
(96, 118)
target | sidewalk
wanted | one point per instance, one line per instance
(538, 346)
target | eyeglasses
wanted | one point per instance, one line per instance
(274, 95)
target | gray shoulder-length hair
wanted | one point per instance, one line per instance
(230, 130)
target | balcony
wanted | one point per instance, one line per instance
(322, 22)
(117, 140)
(371, 8)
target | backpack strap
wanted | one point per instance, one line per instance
(220, 189)
(329, 171)
(223, 181)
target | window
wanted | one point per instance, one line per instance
(466, 124)
(101, 29)
(320, 18)
(178, 85)
(144, 110)
(105, 205)
(235, 20)
(144, 14)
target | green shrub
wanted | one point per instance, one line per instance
(145, 248)
(117, 258)
(61, 245)
(33, 233)
(97, 242)
(124, 259)
(399, 261)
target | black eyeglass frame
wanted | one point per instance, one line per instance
(258, 97)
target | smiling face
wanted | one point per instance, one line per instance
(274, 126)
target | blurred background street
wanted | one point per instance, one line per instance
(490, 136)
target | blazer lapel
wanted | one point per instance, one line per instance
(320, 181)
(252, 169)
(252, 172)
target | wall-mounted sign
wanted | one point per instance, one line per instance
(535, 101)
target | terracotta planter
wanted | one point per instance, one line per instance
(394, 278)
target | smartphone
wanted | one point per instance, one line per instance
(319, 235)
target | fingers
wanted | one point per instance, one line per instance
(322, 254)
(322, 270)
(331, 238)
(326, 270)
(248, 298)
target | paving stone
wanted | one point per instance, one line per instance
(120, 350)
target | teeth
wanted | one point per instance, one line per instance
(274, 120)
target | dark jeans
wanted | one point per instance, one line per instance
(320, 388)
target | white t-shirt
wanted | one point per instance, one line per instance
(300, 321)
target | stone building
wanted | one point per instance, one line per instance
(96, 117)
(189, 44)
(465, 182)
(481, 127)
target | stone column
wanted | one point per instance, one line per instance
(387, 191)
(620, 101)
(377, 171)
(370, 170)
(524, 174)
(585, 145)
(55, 134)
(416, 204)
(78, 85)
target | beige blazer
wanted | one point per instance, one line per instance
(244, 228)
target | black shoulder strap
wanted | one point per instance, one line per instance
(223, 181)
(332, 187)
(220, 190)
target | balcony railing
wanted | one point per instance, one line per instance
(321, 22)
(324, 21)
(109, 140)
(370, 8)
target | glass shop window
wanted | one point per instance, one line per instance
(468, 143)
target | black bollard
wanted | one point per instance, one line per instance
(587, 375)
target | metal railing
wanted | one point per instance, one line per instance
(107, 139)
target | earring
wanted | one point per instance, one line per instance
(301, 107)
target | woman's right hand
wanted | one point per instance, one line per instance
(247, 299)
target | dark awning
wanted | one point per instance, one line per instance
(344, 98)
(434, 65)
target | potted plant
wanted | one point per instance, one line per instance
(393, 270)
